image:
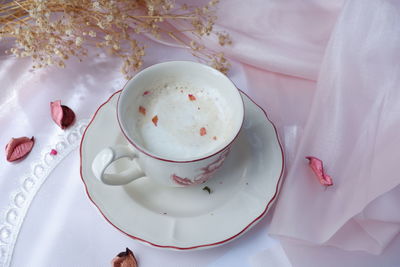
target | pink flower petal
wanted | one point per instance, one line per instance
(62, 115)
(318, 168)
(142, 110)
(124, 259)
(18, 148)
(203, 131)
(155, 120)
(53, 152)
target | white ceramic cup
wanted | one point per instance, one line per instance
(175, 171)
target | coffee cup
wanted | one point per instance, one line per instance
(180, 119)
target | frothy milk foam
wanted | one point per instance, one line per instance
(177, 120)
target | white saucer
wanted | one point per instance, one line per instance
(189, 218)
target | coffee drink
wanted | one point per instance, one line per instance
(179, 120)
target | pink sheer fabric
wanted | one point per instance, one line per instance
(348, 117)
(286, 37)
(353, 127)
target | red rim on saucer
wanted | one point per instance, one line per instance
(243, 230)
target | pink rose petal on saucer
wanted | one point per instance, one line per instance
(62, 115)
(203, 131)
(318, 168)
(124, 259)
(155, 120)
(18, 148)
(53, 152)
(146, 93)
(142, 110)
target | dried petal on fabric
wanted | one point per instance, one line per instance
(18, 148)
(317, 167)
(62, 115)
(124, 259)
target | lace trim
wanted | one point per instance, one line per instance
(21, 199)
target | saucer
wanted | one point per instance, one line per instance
(241, 192)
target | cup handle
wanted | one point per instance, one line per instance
(110, 154)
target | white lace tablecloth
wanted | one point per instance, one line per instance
(47, 218)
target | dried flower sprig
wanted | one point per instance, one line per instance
(51, 31)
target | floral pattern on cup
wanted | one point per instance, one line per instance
(205, 174)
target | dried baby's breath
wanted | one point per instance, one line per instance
(51, 31)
